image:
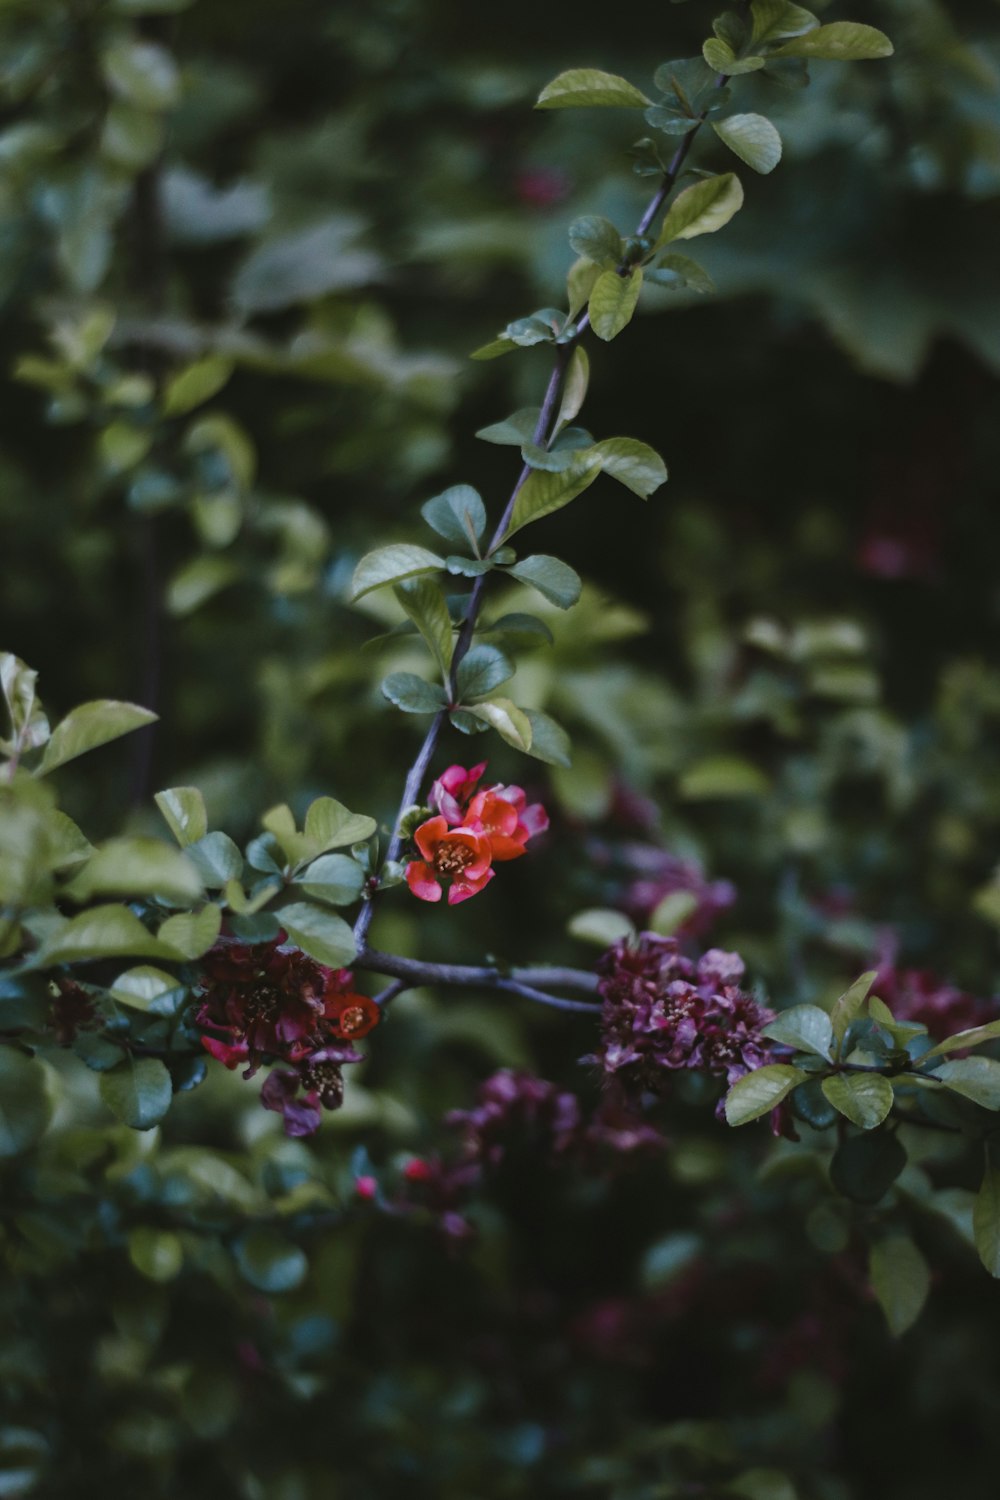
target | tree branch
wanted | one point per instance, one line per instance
(521, 982)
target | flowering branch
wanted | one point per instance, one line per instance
(541, 437)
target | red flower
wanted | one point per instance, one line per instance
(320, 1076)
(352, 1016)
(452, 790)
(508, 823)
(460, 857)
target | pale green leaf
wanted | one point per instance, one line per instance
(959, 1040)
(900, 1279)
(574, 390)
(542, 493)
(865, 1098)
(549, 741)
(330, 825)
(760, 1091)
(392, 565)
(753, 138)
(137, 867)
(482, 669)
(413, 694)
(190, 934)
(554, 579)
(613, 301)
(139, 987)
(635, 465)
(196, 384)
(216, 858)
(102, 932)
(703, 208)
(424, 602)
(336, 878)
(90, 725)
(807, 1028)
(510, 722)
(25, 1107)
(975, 1078)
(986, 1221)
(722, 59)
(458, 514)
(184, 809)
(324, 936)
(774, 20)
(29, 725)
(198, 581)
(156, 1254)
(137, 1092)
(841, 41)
(851, 1004)
(598, 240)
(589, 86)
(601, 926)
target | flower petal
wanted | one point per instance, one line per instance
(422, 881)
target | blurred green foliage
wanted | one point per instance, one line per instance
(244, 256)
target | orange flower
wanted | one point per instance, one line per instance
(457, 857)
(352, 1016)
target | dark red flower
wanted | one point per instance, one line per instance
(301, 1093)
(662, 1012)
(71, 1010)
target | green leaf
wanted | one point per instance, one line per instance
(635, 465)
(588, 86)
(722, 59)
(841, 41)
(198, 581)
(760, 1091)
(962, 1039)
(190, 934)
(216, 858)
(469, 567)
(900, 1279)
(865, 1098)
(156, 1254)
(325, 937)
(549, 741)
(269, 1262)
(137, 1092)
(102, 932)
(580, 280)
(598, 240)
(703, 208)
(986, 1220)
(773, 20)
(25, 1107)
(29, 726)
(336, 878)
(543, 493)
(601, 926)
(482, 669)
(851, 1004)
(514, 430)
(723, 776)
(574, 387)
(613, 301)
(140, 987)
(90, 725)
(679, 272)
(494, 349)
(526, 630)
(137, 867)
(807, 1028)
(864, 1167)
(423, 600)
(458, 514)
(554, 579)
(392, 565)
(330, 825)
(753, 138)
(510, 722)
(975, 1078)
(413, 694)
(672, 912)
(196, 384)
(143, 73)
(184, 809)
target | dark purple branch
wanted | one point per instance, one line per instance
(469, 976)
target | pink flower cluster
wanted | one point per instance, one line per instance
(663, 1012)
(470, 831)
